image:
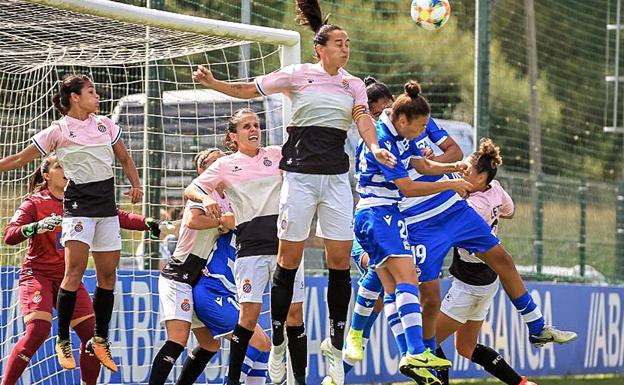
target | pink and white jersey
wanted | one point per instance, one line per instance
(194, 246)
(322, 114)
(253, 186)
(491, 204)
(84, 149)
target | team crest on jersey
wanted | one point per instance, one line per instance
(267, 162)
(247, 286)
(78, 227)
(101, 127)
(185, 305)
(344, 84)
(37, 297)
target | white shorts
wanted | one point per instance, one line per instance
(175, 302)
(465, 302)
(252, 274)
(303, 195)
(101, 234)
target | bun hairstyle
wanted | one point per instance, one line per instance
(411, 103)
(376, 90)
(309, 13)
(71, 83)
(231, 127)
(37, 182)
(201, 159)
(487, 158)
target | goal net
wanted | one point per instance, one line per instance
(141, 61)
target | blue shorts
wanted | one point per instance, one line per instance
(382, 233)
(458, 226)
(356, 254)
(215, 306)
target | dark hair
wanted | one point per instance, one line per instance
(376, 90)
(37, 182)
(72, 83)
(202, 157)
(309, 13)
(411, 103)
(487, 158)
(231, 127)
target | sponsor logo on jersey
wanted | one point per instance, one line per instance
(185, 305)
(247, 286)
(236, 168)
(37, 297)
(267, 162)
(75, 205)
(101, 127)
(78, 227)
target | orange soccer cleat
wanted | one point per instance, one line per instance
(100, 347)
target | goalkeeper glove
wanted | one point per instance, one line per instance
(46, 224)
(154, 226)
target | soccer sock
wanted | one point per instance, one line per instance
(37, 331)
(238, 348)
(348, 364)
(164, 361)
(495, 364)
(430, 343)
(443, 374)
(395, 322)
(194, 365)
(298, 350)
(103, 301)
(367, 294)
(251, 355)
(530, 313)
(281, 297)
(338, 297)
(65, 303)
(411, 318)
(258, 374)
(89, 365)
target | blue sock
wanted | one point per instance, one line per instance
(394, 320)
(408, 306)
(430, 343)
(368, 292)
(251, 355)
(260, 367)
(530, 313)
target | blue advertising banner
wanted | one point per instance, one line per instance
(595, 313)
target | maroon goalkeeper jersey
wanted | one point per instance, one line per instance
(45, 253)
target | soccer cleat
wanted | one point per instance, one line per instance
(550, 334)
(277, 362)
(354, 349)
(100, 347)
(327, 381)
(526, 382)
(425, 360)
(335, 368)
(422, 376)
(64, 354)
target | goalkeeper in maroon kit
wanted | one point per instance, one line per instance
(38, 220)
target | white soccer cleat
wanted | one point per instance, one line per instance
(277, 362)
(550, 334)
(335, 370)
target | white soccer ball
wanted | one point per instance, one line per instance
(430, 14)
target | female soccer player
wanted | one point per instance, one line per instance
(38, 220)
(381, 230)
(86, 145)
(252, 179)
(326, 100)
(200, 240)
(474, 284)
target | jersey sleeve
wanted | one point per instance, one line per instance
(359, 90)
(131, 221)
(276, 82)
(415, 151)
(436, 133)
(398, 171)
(47, 140)
(113, 129)
(25, 214)
(508, 207)
(208, 180)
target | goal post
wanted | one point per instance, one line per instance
(141, 61)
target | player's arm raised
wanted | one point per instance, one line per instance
(20, 159)
(204, 76)
(429, 167)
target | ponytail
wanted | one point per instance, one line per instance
(37, 182)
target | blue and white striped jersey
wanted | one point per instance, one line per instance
(375, 181)
(220, 263)
(416, 209)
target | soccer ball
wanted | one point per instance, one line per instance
(430, 14)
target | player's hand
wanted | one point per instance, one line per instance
(212, 208)
(384, 157)
(135, 194)
(154, 226)
(428, 153)
(461, 167)
(43, 226)
(462, 187)
(203, 76)
(227, 222)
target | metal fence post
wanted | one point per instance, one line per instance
(619, 233)
(538, 224)
(582, 225)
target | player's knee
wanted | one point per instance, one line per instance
(295, 315)
(212, 345)
(106, 279)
